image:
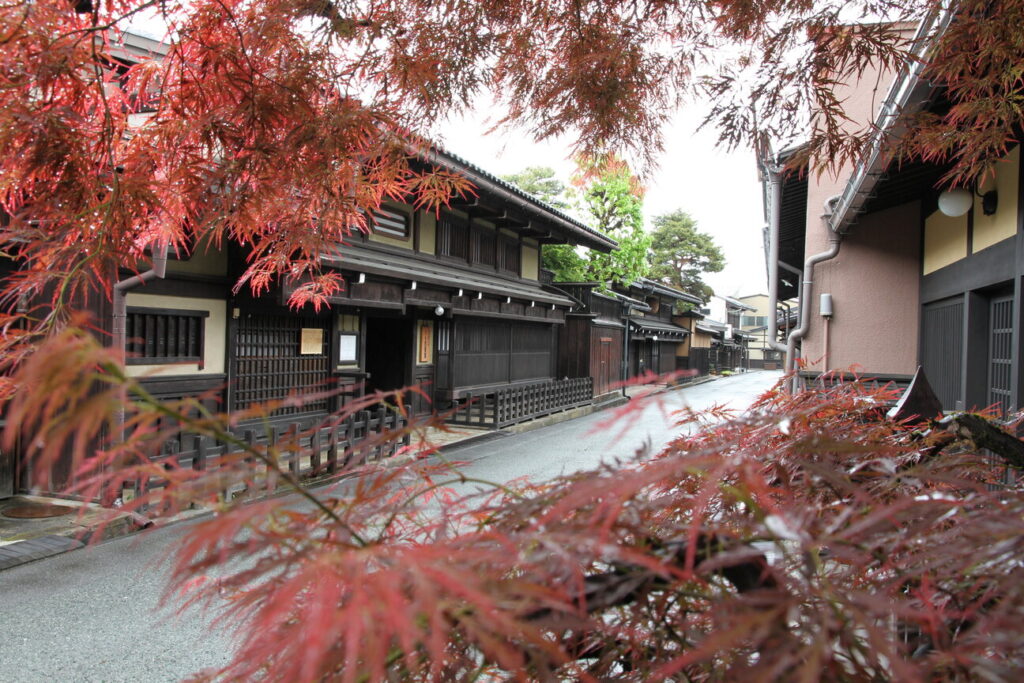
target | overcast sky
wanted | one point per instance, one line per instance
(719, 190)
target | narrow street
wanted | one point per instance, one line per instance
(92, 615)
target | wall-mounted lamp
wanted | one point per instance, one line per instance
(508, 299)
(479, 295)
(958, 201)
(413, 285)
(439, 310)
(362, 278)
(955, 202)
(460, 292)
(654, 338)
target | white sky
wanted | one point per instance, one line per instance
(719, 189)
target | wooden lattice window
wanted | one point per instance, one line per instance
(453, 237)
(509, 255)
(270, 365)
(159, 336)
(484, 243)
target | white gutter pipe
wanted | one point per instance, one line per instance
(840, 211)
(834, 240)
(775, 208)
(120, 323)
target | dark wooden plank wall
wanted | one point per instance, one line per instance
(487, 352)
(605, 358)
(666, 357)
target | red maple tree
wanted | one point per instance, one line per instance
(810, 539)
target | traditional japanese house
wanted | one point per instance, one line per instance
(653, 336)
(451, 302)
(591, 343)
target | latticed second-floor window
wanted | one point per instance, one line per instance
(453, 237)
(159, 335)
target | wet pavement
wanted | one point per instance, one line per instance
(94, 614)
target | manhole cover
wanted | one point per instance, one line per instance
(36, 511)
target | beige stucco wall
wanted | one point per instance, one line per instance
(214, 335)
(205, 260)
(945, 241)
(530, 262)
(428, 232)
(875, 279)
(989, 230)
(875, 283)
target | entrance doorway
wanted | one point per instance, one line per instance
(388, 353)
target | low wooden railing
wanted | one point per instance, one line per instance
(501, 407)
(309, 447)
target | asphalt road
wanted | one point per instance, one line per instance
(94, 614)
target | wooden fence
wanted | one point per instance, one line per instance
(498, 408)
(308, 447)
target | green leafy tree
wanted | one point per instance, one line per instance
(611, 200)
(567, 264)
(614, 202)
(542, 183)
(681, 254)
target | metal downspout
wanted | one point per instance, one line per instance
(834, 239)
(120, 322)
(775, 208)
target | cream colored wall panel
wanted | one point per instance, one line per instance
(989, 230)
(530, 263)
(214, 334)
(428, 232)
(945, 240)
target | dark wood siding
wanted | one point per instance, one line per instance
(942, 339)
(486, 352)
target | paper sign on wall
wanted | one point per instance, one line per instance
(348, 348)
(311, 341)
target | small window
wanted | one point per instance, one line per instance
(509, 255)
(390, 223)
(452, 237)
(158, 335)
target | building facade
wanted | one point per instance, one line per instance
(891, 278)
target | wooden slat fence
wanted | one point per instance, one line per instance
(309, 448)
(498, 408)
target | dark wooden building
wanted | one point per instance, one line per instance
(654, 339)
(591, 343)
(450, 302)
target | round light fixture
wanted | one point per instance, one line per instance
(439, 310)
(955, 202)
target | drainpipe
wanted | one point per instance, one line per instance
(775, 207)
(834, 240)
(625, 350)
(120, 304)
